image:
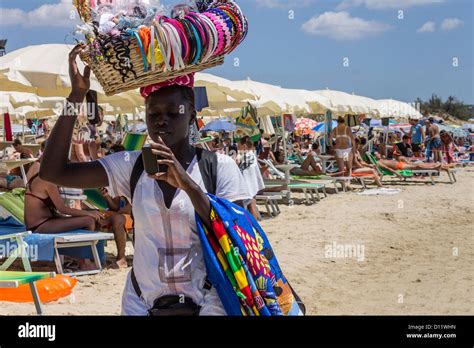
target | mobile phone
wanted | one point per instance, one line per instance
(93, 114)
(149, 160)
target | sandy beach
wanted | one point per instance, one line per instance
(414, 255)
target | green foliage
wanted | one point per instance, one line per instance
(451, 106)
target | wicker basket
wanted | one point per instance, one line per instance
(113, 82)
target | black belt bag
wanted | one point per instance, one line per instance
(170, 305)
(173, 305)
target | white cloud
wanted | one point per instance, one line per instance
(428, 27)
(385, 4)
(451, 23)
(287, 4)
(62, 14)
(341, 26)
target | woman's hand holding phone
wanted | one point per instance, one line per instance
(170, 170)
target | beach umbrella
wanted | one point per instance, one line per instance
(267, 125)
(275, 100)
(304, 125)
(219, 126)
(222, 93)
(397, 109)
(43, 70)
(345, 103)
(321, 126)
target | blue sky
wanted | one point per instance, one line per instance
(388, 57)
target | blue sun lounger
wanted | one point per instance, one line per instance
(48, 247)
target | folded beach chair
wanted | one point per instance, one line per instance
(406, 174)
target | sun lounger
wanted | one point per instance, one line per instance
(78, 243)
(15, 279)
(12, 164)
(406, 174)
(5, 144)
(271, 202)
(134, 141)
(95, 200)
(310, 190)
(334, 180)
(271, 167)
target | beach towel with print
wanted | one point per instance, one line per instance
(241, 264)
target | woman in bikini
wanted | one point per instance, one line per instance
(361, 168)
(43, 204)
(343, 147)
(393, 165)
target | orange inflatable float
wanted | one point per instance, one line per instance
(49, 290)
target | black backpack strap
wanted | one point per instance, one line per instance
(135, 285)
(137, 171)
(207, 161)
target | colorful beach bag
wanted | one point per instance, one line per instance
(242, 266)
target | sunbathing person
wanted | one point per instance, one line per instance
(360, 167)
(403, 151)
(118, 218)
(309, 167)
(44, 206)
(9, 181)
(393, 165)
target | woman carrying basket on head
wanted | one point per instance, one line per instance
(168, 267)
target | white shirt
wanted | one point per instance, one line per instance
(168, 258)
(251, 173)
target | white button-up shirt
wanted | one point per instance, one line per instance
(168, 258)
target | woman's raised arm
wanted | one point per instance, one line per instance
(55, 165)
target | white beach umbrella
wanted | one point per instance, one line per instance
(274, 100)
(44, 71)
(372, 105)
(343, 103)
(222, 93)
(397, 109)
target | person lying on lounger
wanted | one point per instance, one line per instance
(393, 165)
(10, 182)
(360, 167)
(308, 168)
